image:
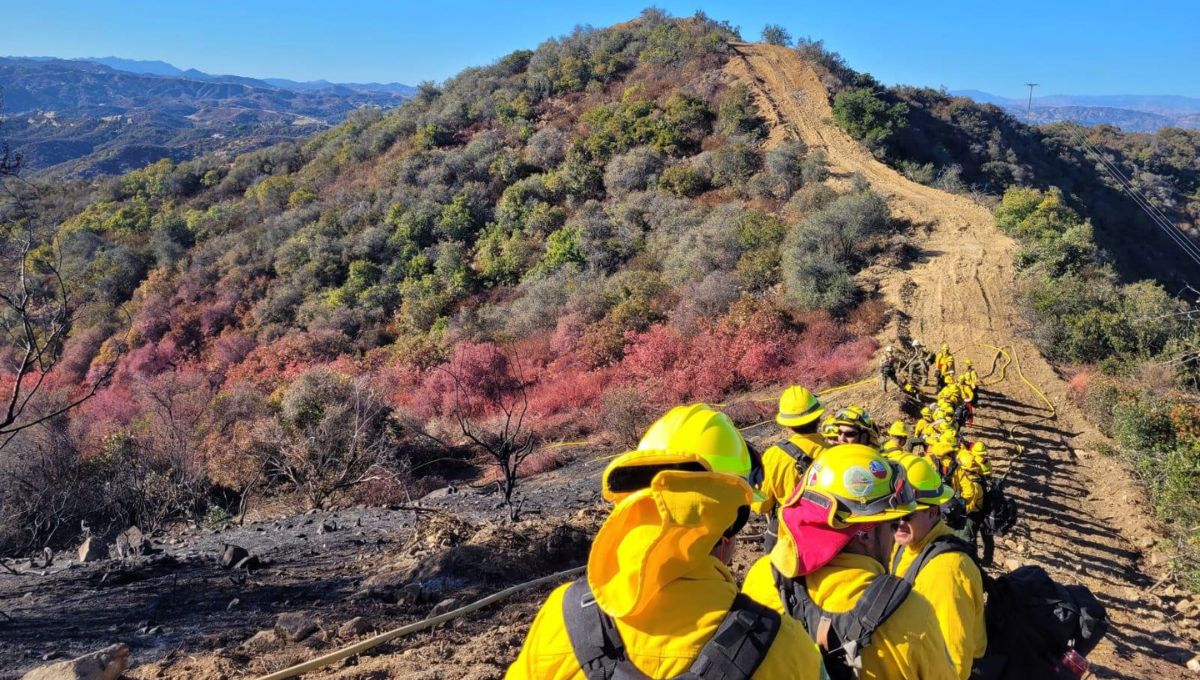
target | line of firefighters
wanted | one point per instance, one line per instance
(866, 573)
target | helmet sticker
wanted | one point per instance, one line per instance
(812, 474)
(857, 480)
(878, 469)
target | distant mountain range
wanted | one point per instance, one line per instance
(1135, 113)
(85, 117)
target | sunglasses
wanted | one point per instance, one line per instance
(896, 522)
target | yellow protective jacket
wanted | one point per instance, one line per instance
(944, 362)
(908, 646)
(953, 585)
(969, 378)
(893, 448)
(781, 472)
(921, 428)
(967, 487)
(664, 641)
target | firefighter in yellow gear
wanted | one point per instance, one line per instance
(969, 479)
(950, 394)
(943, 361)
(785, 461)
(850, 425)
(928, 554)
(923, 423)
(835, 540)
(658, 586)
(897, 442)
(969, 377)
(942, 451)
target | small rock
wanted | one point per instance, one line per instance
(261, 641)
(237, 557)
(443, 606)
(233, 603)
(107, 664)
(316, 639)
(92, 550)
(27, 596)
(327, 526)
(232, 554)
(1194, 664)
(355, 627)
(294, 626)
(1011, 565)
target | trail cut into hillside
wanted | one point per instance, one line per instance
(1082, 517)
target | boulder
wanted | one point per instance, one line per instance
(92, 550)
(294, 626)
(1194, 664)
(133, 543)
(107, 664)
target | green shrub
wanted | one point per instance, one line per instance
(683, 181)
(738, 115)
(867, 117)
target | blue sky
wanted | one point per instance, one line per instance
(1100, 47)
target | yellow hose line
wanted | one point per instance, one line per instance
(1049, 404)
(360, 647)
(831, 390)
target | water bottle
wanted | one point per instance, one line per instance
(1074, 662)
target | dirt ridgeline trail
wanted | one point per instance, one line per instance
(1081, 515)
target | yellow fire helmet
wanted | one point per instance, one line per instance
(927, 484)
(695, 438)
(798, 406)
(860, 485)
(926, 413)
(849, 485)
(979, 448)
(899, 429)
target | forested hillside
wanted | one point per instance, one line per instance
(585, 230)
(564, 241)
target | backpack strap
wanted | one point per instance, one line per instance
(844, 635)
(740, 644)
(593, 634)
(938, 546)
(880, 600)
(803, 460)
(734, 652)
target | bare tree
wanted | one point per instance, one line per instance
(37, 307)
(332, 433)
(490, 408)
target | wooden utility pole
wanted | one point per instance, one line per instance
(1029, 106)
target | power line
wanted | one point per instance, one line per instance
(1190, 248)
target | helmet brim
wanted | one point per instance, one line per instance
(788, 420)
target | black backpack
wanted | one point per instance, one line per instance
(1032, 622)
(842, 637)
(734, 652)
(999, 511)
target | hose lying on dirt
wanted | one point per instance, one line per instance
(360, 647)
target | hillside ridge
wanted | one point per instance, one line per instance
(1082, 514)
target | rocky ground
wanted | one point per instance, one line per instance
(386, 565)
